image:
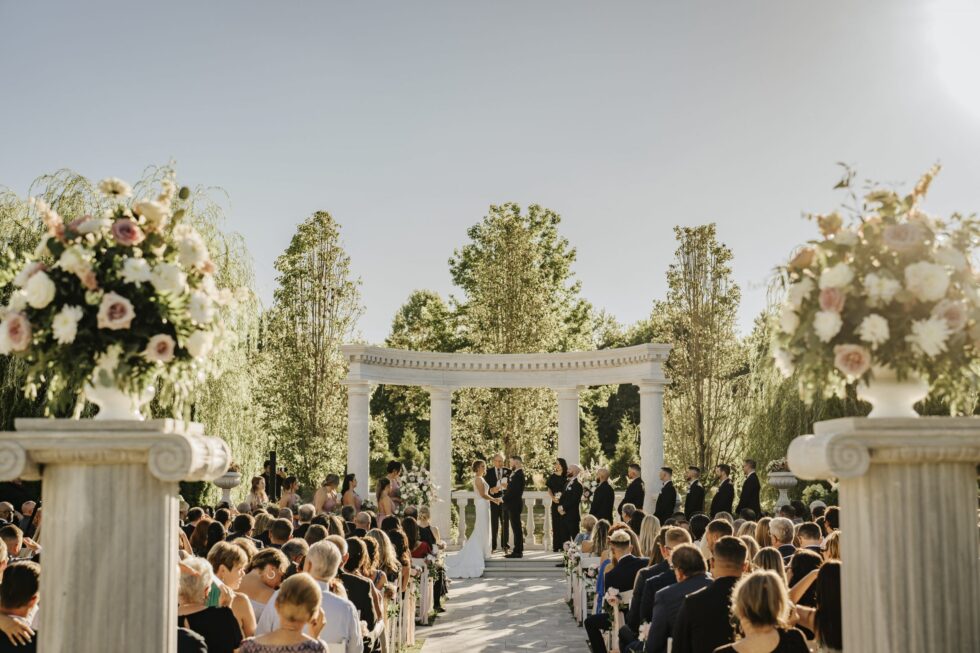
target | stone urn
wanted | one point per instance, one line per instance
(784, 482)
(227, 482)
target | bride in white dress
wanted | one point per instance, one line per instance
(469, 561)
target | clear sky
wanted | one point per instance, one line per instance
(406, 120)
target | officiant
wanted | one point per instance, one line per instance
(496, 480)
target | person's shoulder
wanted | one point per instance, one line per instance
(187, 642)
(792, 636)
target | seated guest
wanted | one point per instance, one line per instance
(315, 533)
(335, 526)
(762, 535)
(228, 564)
(280, 532)
(769, 559)
(194, 517)
(691, 570)
(717, 529)
(286, 513)
(357, 564)
(800, 511)
(387, 561)
(620, 575)
(802, 572)
(810, 536)
(223, 517)
(362, 524)
(263, 575)
(787, 511)
(747, 528)
(199, 537)
(817, 509)
(831, 520)
(216, 533)
(260, 530)
(626, 511)
(762, 608)
(703, 622)
(831, 547)
(647, 536)
(751, 545)
(748, 514)
(427, 532)
(304, 515)
(341, 625)
(636, 520)
(217, 625)
(18, 598)
(347, 513)
(699, 523)
(598, 542)
(418, 548)
(782, 533)
(18, 546)
(243, 526)
(295, 551)
(247, 546)
(358, 589)
(298, 608)
(825, 618)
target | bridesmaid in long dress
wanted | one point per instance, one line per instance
(395, 470)
(348, 493)
(327, 499)
(556, 483)
(386, 507)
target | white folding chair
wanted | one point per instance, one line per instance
(618, 620)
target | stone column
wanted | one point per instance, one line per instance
(113, 482)
(568, 425)
(441, 456)
(651, 439)
(908, 497)
(359, 435)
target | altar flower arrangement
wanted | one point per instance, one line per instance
(117, 297)
(887, 290)
(777, 465)
(417, 488)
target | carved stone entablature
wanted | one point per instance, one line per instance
(845, 448)
(172, 450)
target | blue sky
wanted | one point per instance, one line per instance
(406, 120)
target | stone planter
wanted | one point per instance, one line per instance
(890, 397)
(784, 482)
(228, 482)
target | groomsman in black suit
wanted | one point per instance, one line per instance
(694, 503)
(498, 512)
(725, 496)
(571, 500)
(667, 499)
(603, 497)
(635, 492)
(514, 500)
(749, 498)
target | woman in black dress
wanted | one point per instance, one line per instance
(556, 483)
(217, 625)
(761, 605)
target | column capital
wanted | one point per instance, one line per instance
(172, 450)
(652, 385)
(357, 386)
(846, 447)
(439, 392)
(567, 392)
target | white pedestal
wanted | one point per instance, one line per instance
(109, 581)
(908, 495)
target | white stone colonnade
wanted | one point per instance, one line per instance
(564, 372)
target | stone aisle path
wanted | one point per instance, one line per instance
(503, 614)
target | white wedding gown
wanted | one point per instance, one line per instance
(469, 561)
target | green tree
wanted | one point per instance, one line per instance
(315, 311)
(627, 449)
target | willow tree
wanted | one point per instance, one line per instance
(315, 310)
(519, 295)
(707, 364)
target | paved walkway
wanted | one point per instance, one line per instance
(498, 615)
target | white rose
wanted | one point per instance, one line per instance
(881, 290)
(168, 278)
(929, 336)
(200, 343)
(93, 225)
(927, 281)
(951, 257)
(201, 308)
(799, 291)
(136, 270)
(74, 260)
(827, 324)
(39, 290)
(846, 237)
(18, 301)
(836, 276)
(789, 321)
(155, 213)
(115, 187)
(954, 312)
(191, 250)
(25, 275)
(64, 326)
(784, 362)
(874, 330)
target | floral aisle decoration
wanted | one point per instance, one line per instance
(887, 292)
(114, 300)
(417, 488)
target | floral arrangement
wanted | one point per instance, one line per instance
(777, 466)
(417, 488)
(888, 290)
(119, 297)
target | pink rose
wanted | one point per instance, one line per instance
(160, 349)
(115, 312)
(832, 299)
(852, 360)
(127, 233)
(15, 333)
(88, 279)
(953, 312)
(903, 237)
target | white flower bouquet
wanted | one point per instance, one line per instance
(417, 488)
(892, 290)
(118, 297)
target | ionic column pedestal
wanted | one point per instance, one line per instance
(110, 525)
(908, 496)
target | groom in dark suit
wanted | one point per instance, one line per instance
(498, 512)
(514, 502)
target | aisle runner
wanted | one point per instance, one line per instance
(499, 615)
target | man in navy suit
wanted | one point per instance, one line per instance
(782, 532)
(725, 496)
(704, 621)
(692, 574)
(621, 577)
(749, 498)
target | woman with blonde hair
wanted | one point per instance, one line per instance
(762, 535)
(257, 496)
(228, 563)
(298, 605)
(585, 529)
(263, 521)
(326, 499)
(599, 541)
(761, 606)
(770, 559)
(751, 545)
(387, 560)
(649, 530)
(831, 547)
(747, 528)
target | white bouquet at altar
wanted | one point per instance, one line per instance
(891, 290)
(417, 488)
(117, 295)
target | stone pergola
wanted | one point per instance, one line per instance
(565, 372)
